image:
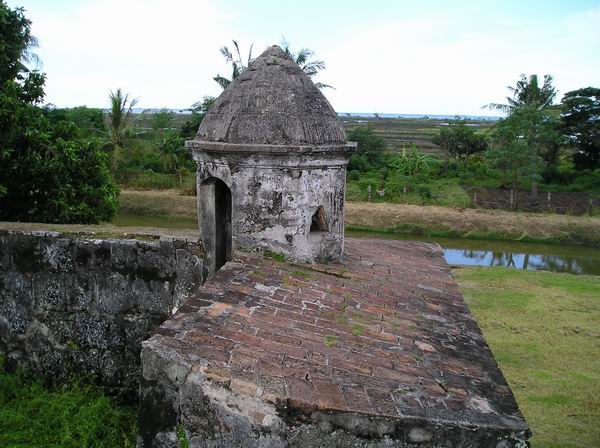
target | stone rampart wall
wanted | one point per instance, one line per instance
(78, 304)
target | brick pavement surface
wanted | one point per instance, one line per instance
(384, 333)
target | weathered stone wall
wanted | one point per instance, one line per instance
(75, 304)
(274, 197)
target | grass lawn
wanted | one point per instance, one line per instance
(75, 415)
(544, 330)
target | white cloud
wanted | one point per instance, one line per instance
(443, 67)
(167, 53)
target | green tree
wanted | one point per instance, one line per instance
(16, 43)
(580, 122)
(369, 153)
(90, 121)
(513, 148)
(162, 120)
(119, 123)
(459, 140)
(531, 97)
(198, 111)
(528, 92)
(173, 154)
(48, 172)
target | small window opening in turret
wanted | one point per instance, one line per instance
(319, 221)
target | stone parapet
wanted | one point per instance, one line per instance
(79, 303)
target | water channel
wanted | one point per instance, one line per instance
(530, 256)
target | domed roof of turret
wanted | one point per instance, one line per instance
(272, 102)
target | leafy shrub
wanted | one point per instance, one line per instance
(459, 140)
(424, 191)
(90, 121)
(369, 153)
(353, 175)
(73, 415)
(413, 162)
(55, 176)
(48, 171)
(383, 173)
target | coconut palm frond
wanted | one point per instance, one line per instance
(495, 106)
(313, 67)
(250, 60)
(222, 81)
(237, 49)
(303, 56)
(226, 53)
(29, 56)
(321, 85)
(285, 45)
(238, 63)
(303, 59)
(119, 121)
(527, 92)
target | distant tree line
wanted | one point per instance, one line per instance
(530, 144)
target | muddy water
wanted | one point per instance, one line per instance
(531, 256)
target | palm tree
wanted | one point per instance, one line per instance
(528, 95)
(303, 59)
(29, 56)
(239, 64)
(172, 153)
(120, 119)
(528, 92)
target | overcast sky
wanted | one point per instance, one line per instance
(422, 57)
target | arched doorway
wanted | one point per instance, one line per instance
(215, 221)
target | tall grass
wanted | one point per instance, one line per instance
(75, 415)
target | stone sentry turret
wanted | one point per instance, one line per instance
(272, 156)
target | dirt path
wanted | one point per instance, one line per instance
(469, 223)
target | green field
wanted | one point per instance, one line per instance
(544, 330)
(401, 132)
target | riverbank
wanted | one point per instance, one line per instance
(543, 329)
(404, 218)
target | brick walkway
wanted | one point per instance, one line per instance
(384, 334)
